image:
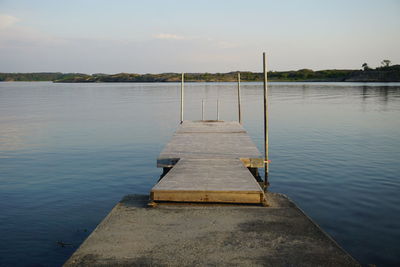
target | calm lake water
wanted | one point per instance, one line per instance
(70, 152)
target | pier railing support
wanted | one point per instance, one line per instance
(266, 162)
(182, 95)
(217, 109)
(202, 109)
(238, 93)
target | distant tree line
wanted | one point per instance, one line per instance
(385, 73)
(385, 65)
(37, 76)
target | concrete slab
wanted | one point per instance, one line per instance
(193, 235)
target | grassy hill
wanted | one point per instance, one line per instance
(380, 74)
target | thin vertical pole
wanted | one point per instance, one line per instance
(182, 95)
(202, 109)
(266, 163)
(238, 93)
(217, 109)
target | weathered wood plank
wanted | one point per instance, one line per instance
(209, 180)
(210, 140)
(208, 196)
(209, 160)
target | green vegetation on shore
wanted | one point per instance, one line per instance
(386, 73)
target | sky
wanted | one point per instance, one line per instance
(154, 36)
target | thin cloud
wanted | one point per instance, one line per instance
(169, 36)
(225, 44)
(7, 21)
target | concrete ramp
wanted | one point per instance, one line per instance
(209, 180)
(133, 234)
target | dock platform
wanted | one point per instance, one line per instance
(202, 210)
(209, 161)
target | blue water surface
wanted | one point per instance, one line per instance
(70, 152)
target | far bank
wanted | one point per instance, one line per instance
(380, 74)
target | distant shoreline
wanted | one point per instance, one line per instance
(381, 74)
(189, 82)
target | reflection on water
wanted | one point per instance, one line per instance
(69, 152)
(14, 136)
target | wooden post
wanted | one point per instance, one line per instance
(266, 163)
(217, 109)
(202, 109)
(238, 92)
(182, 95)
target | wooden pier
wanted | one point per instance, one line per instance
(213, 161)
(209, 161)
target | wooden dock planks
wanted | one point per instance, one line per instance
(209, 180)
(209, 161)
(210, 140)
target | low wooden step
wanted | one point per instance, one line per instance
(209, 180)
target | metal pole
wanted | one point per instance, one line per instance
(182, 95)
(202, 109)
(266, 163)
(217, 109)
(238, 92)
